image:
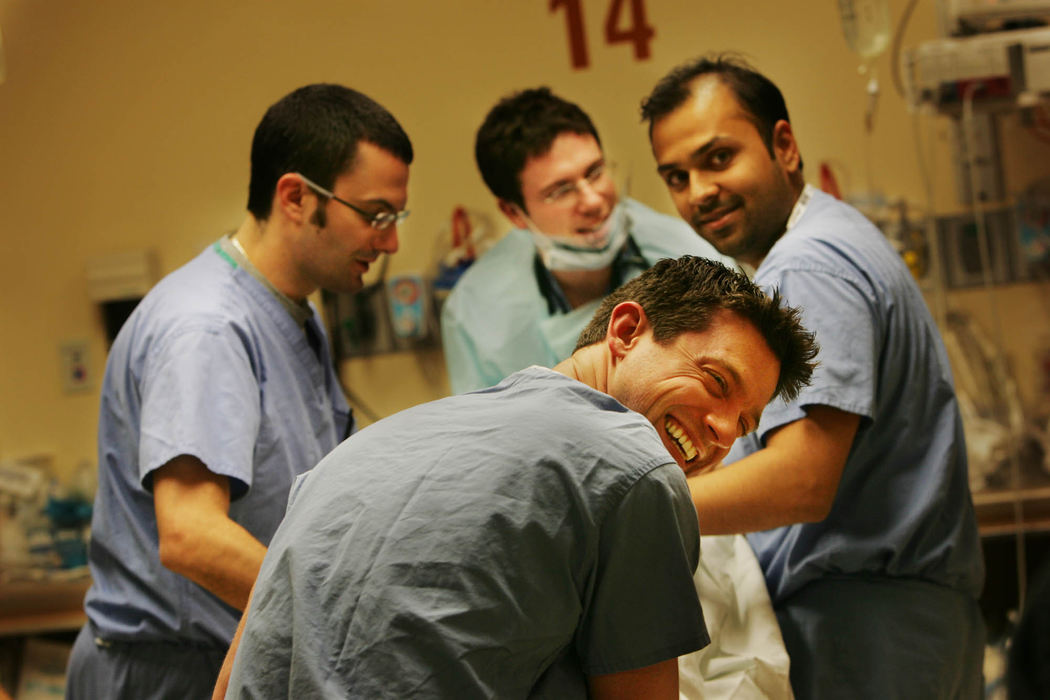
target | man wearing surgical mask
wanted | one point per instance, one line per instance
(527, 299)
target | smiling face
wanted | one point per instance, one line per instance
(551, 202)
(720, 173)
(337, 253)
(701, 391)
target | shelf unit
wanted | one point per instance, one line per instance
(37, 607)
(996, 514)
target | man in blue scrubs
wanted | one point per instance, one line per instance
(533, 539)
(220, 390)
(855, 493)
(525, 301)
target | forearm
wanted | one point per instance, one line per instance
(222, 683)
(756, 493)
(197, 538)
(218, 554)
(651, 682)
(792, 480)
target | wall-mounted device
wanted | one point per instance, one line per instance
(389, 315)
(971, 14)
(408, 305)
(1008, 67)
(963, 260)
(1030, 67)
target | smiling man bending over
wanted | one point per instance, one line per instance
(533, 539)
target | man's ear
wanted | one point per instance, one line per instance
(513, 212)
(290, 197)
(627, 324)
(785, 148)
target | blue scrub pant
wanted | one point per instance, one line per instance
(140, 670)
(882, 638)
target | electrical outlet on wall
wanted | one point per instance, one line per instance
(74, 366)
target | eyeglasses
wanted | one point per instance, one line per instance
(568, 193)
(380, 220)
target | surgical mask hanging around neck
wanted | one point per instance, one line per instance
(569, 253)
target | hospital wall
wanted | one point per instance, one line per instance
(125, 126)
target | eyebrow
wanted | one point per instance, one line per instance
(699, 153)
(380, 202)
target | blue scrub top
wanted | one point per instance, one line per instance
(903, 506)
(211, 365)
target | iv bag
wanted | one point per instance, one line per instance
(866, 24)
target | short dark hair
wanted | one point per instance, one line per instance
(684, 294)
(759, 97)
(315, 131)
(521, 126)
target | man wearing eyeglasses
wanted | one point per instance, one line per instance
(527, 299)
(220, 390)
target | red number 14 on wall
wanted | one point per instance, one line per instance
(637, 31)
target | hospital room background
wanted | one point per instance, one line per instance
(124, 137)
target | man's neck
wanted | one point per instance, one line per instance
(588, 365)
(267, 253)
(583, 286)
(797, 186)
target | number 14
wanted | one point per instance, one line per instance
(638, 31)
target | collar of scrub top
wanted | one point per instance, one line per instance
(629, 258)
(299, 310)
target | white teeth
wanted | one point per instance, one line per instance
(680, 438)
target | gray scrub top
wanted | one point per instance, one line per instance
(502, 543)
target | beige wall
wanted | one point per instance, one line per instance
(126, 125)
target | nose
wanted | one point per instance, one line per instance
(587, 195)
(701, 189)
(722, 427)
(386, 240)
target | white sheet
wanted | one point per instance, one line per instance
(746, 658)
